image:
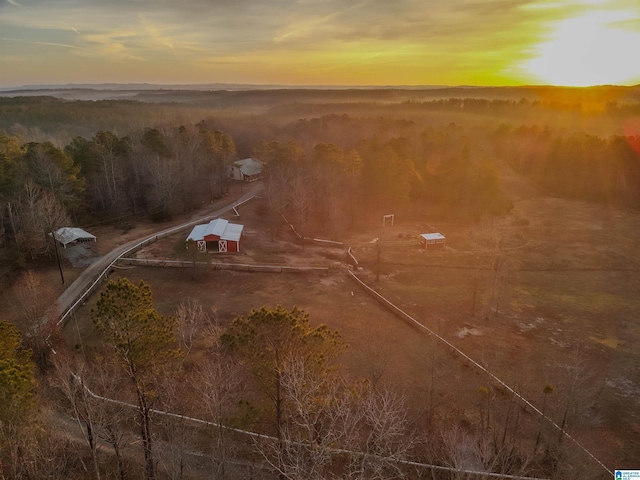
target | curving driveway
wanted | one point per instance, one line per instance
(77, 293)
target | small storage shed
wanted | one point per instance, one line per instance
(247, 170)
(72, 235)
(432, 240)
(217, 236)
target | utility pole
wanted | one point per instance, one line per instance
(55, 245)
(13, 225)
(378, 259)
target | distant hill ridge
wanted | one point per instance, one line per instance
(206, 86)
(273, 94)
(239, 86)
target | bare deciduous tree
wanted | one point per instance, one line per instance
(497, 240)
(112, 152)
(217, 380)
(466, 451)
(385, 436)
(191, 319)
(577, 386)
(87, 387)
(317, 410)
(69, 379)
(34, 302)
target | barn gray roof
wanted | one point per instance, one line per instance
(66, 235)
(432, 236)
(249, 166)
(219, 227)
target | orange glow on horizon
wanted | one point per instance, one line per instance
(594, 48)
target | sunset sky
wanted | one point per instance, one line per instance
(320, 42)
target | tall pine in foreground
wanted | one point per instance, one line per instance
(143, 341)
(272, 341)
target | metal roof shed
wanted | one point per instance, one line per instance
(67, 235)
(433, 240)
(246, 170)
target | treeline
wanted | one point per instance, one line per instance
(327, 172)
(367, 168)
(456, 166)
(107, 177)
(577, 166)
(46, 117)
(40, 118)
(483, 105)
(434, 171)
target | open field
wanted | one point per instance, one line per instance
(566, 314)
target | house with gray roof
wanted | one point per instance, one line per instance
(246, 170)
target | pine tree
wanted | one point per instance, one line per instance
(143, 341)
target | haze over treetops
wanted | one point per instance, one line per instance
(321, 42)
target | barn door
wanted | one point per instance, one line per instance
(202, 246)
(222, 246)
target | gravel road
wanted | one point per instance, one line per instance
(75, 291)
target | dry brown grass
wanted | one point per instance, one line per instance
(577, 286)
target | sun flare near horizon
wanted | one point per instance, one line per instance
(595, 48)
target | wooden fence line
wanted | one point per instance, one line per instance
(241, 267)
(416, 324)
(396, 310)
(334, 450)
(134, 248)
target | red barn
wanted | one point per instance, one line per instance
(217, 236)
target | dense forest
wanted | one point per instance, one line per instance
(334, 161)
(431, 156)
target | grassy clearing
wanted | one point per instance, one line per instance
(609, 342)
(592, 302)
(568, 291)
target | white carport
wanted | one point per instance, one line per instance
(67, 235)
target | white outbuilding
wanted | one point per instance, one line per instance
(72, 235)
(432, 240)
(246, 170)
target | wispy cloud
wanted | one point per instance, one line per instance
(51, 44)
(312, 41)
(298, 26)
